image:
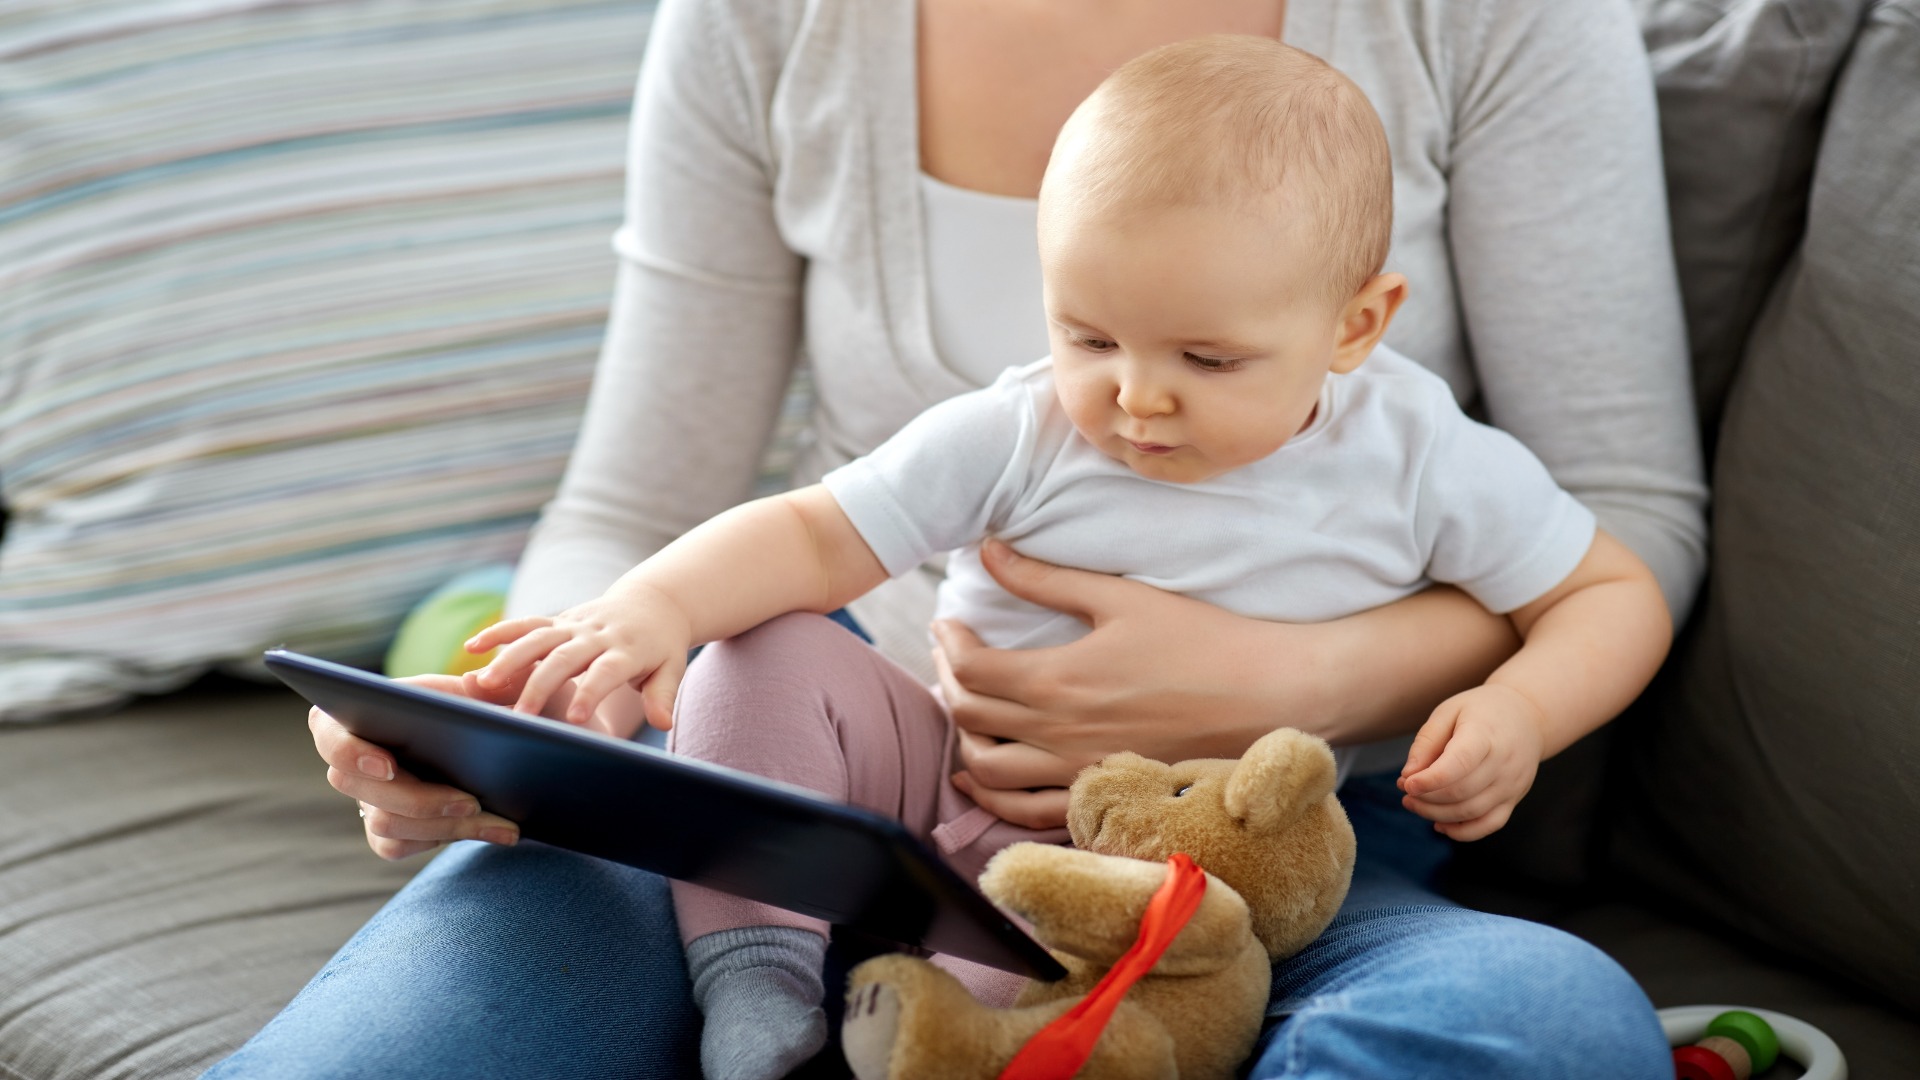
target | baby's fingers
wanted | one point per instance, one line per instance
(1485, 825)
(504, 631)
(553, 670)
(517, 658)
(608, 673)
(1467, 750)
(1431, 740)
(1455, 812)
(662, 687)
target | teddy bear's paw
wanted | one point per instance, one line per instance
(871, 1026)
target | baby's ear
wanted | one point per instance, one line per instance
(1278, 778)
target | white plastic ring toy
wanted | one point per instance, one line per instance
(1816, 1052)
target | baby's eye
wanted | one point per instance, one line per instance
(1212, 363)
(1182, 790)
(1093, 344)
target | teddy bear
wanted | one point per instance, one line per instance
(1278, 855)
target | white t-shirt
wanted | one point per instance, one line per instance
(1389, 489)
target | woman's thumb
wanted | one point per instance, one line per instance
(1058, 587)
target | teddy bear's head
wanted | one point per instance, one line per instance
(1267, 825)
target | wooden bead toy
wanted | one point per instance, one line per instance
(1723, 1042)
(1737, 1045)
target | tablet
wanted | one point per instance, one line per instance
(681, 818)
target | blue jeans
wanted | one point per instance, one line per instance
(536, 962)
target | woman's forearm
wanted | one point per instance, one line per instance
(1173, 678)
(1380, 673)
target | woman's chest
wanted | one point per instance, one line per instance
(996, 80)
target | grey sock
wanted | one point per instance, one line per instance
(759, 988)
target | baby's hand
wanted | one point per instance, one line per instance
(1473, 760)
(602, 645)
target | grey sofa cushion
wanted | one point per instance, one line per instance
(1775, 781)
(1742, 85)
(169, 877)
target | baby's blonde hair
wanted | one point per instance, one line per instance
(1244, 120)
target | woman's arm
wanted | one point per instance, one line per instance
(1557, 221)
(705, 322)
(1173, 678)
(699, 349)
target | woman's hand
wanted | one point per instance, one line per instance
(1173, 678)
(404, 815)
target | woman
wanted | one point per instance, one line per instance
(854, 181)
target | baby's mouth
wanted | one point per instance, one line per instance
(1150, 448)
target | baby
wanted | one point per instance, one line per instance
(1213, 223)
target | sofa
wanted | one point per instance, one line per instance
(396, 215)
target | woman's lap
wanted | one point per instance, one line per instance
(496, 962)
(537, 961)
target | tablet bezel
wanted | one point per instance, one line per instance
(888, 883)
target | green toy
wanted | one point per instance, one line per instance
(432, 635)
(1713, 1042)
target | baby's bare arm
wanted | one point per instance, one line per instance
(1592, 644)
(791, 552)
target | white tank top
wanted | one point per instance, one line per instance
(983, 279)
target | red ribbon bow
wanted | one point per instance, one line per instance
(1058, 1050)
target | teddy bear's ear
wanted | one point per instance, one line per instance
(1278, 778)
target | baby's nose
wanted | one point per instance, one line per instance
(1142, 398)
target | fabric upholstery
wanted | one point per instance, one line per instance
(1743, 85)
(169, 877)
(298, 307)
(1774, 780)
(1680, 961)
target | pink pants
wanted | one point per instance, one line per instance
(800, 699)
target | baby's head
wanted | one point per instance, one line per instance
(1212, 227)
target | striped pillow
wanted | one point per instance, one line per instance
(299, 300)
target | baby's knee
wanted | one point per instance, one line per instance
(777, 674)
(784, 646)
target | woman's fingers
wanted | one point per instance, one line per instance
(1079, 593)
(1043, 809)
(347, 752)
(1011, 765)
(405, 794)
(392, 826)
(980, 669)
(395, 850)
(404, 815)
(981, 712)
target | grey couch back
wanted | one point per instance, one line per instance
(1772, 778)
